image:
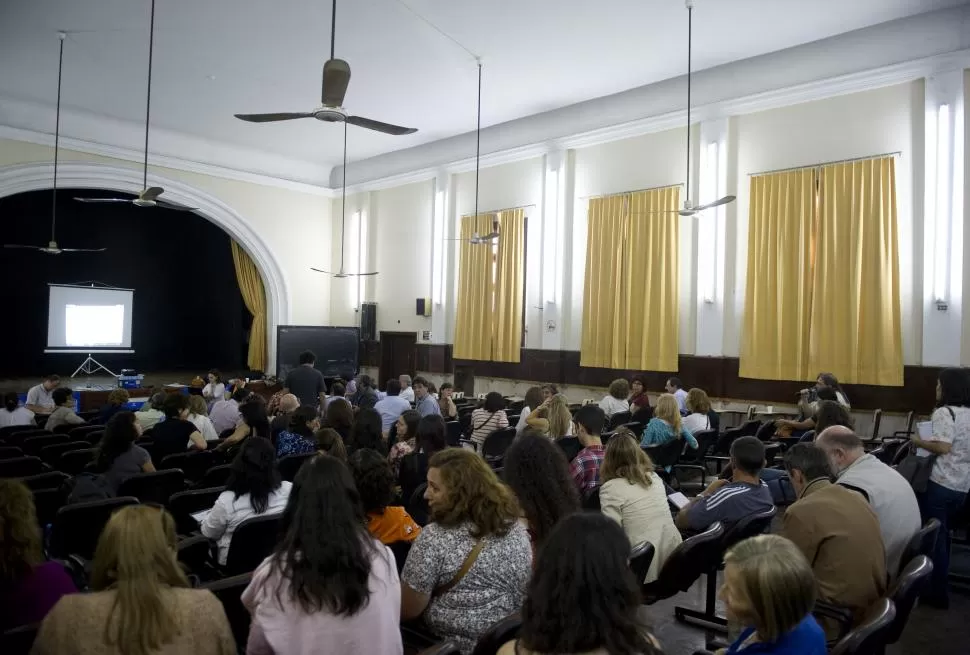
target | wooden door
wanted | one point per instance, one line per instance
(398, 355)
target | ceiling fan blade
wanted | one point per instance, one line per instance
(489, 237)
(319, 270)
(102, 199)
(336, 77)
(717, 203)
(165, 204)
(83, 249)
(378, 126)
(151, 193)
(361, 274)
(269, 118)
(22, 246)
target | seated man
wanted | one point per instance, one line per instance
(889, 494)
(837, 532)
(392, 406)
(729, 501)
(39, 398)
(63, 409)
(585, 467)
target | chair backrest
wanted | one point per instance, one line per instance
(495, 637)
(750, 428)
(12, 429)
(229, 592)
(496, 443)
(20, 467)
(85, 429)
(156, 487)
(10, 452)
(749, 526)
(921, 543)
(291, 464)
(876, 422)
(591, 500)
(665, 454)
(19, 640)
(25, 432)
(252, 542)
(76, 528)
(695, 556)
(619, 419)
(401, 549)
(641, 557)
(907, 588)
(705, 442)
(185, 503)
(33, 445)
(417, 506)
(869, 637)
(217, 476)
(92, 437)
(49, 480)
(52, 454)
(64, 428)
(453, 433)
(47, 502)
(193, 465)
(765, 431)
(73, 462)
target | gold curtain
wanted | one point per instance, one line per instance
(630, 300)
(254, 296)
(856, 326)
(778, 301)
(473, 319)
(509, 286)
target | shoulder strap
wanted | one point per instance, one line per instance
(485, 422)
(953, 416)
(462, 572)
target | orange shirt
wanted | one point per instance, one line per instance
(394, 524)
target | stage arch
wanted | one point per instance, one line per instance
(19, 178)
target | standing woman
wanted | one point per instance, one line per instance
(946, 490)
(142, 603)
(407, 433)
(489, 417)
(533, 398)
(215, 389)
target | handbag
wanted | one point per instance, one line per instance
(917, 468)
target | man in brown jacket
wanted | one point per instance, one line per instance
(838, 533)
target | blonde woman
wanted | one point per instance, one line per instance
(770, 589)
(634, 496)
(615, 401)
(666, 424)
(199, 417)
(556, 412)
(142, 603)
(698, 407)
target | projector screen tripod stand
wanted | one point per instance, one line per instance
(90, 366)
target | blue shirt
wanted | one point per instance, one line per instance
(806, 638)
(729, 504)
(427, 406)
(290, 443)
(390, 409)
(658, 432)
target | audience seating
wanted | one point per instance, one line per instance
(665, 455)
(195, 553)
(417, 506)
(636, 427)
(21, 467)
(229, 592)
(52, 454)
(185, 503)
(76, 527)
(693, 460)
(869, 637)
(908, 587)
(400, 550)
(290, 465)
(7, 430)
(252, 542)
(876, 423)
(33, 445)
(10, 452)
(922, 543)
(47, 503)
(192, 464)
(619, 419)
(641, 557)
(495, 637)
(79, 430)
(217, 476)
(16, 438)
(453, 433)
(19, 640)
(155, 487)
(92, 437)
(691, 559)
(73, 462)
(49, 480)
(444, 648)
(591, 500)
(495, 445)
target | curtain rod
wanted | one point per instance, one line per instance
(623, 193)
(828, 163)
(497, 211)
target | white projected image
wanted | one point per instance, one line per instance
(94, 325)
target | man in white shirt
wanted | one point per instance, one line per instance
(12, 413)
(392, 406)
(407, 391)
(39, 398)
(675, 386)
(889, 494)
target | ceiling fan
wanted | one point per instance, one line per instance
(52, 248)
(343, 223)
(149, 196)
(336, 77)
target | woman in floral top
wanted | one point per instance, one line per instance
(406, 429)
(297, 438)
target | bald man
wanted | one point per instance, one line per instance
(889, 494)
(288, 404)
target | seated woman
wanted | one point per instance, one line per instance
(340, 417)
(583, 597)
(488, 418)
(142, 603)
(175, 434)
(634, 496)
(117, 457)
(199, 417)
(796, 428)
(254, 488)
(666, 424)
(699, 411)
(375, 483)
(829, 413)
(12, 413)
(556, 411)
(329, 587)
(63, 413)
(29, 586)
(638, 394)
(430, 439)
(770, 589)
(406, 432)
(537, 471)
(329, 442)
(447, 406)
(615, 401)
(475, 530)
(298, 437)
(215, 389)
(533, 398)
(253, 422)
(367, 431)
(117, 400)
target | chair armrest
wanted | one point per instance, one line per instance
(417, 635)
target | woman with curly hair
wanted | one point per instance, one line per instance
(117, 400)
(615, 401)
(470, 567)
(537, 471)
(375, 483)
(583, 597)
(29, 586)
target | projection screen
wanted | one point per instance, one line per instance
(85, 319)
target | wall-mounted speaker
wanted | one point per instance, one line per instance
(423, 307)
(368, 321)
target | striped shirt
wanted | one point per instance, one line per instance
(730, 504)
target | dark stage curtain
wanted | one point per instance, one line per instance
(188, 312)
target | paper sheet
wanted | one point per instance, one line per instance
(679, 500)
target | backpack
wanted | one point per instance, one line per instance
(85, 487)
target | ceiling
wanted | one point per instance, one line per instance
(220, 57)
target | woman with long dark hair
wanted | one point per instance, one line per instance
(375, 482)
(537, 471)
(407, 439)
(254, 488)
(367, 432)
(489, 417)
(117, 457)
(329, 586)
(583, 597)
(253, 423)
(533, 399)
(297, 438)
(340, 417)
(430, 439)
